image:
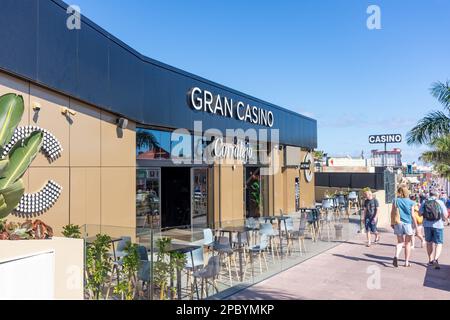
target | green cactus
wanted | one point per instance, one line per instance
(15, 164)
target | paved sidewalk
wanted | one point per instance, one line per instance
(349, 271)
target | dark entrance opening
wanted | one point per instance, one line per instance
(175, 197)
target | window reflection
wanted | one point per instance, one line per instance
(157, 145)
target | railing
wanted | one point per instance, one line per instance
(198, 263)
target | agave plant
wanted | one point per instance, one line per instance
(16, 162)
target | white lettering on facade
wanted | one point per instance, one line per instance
(204, 100)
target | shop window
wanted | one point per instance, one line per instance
(148, 206)
(155, 144)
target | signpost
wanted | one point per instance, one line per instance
(389, 185)
(385, 138)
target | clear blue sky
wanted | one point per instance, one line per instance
(316, 57)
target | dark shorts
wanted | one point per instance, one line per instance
(370, 225)
(434, 235)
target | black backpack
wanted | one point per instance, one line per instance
(432, 210)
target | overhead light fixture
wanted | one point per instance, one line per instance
(122, 123)
(36, 106)
(66, 111)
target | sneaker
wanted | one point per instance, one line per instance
(430, 263)
(436, 265)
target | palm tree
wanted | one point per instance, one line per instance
(437, 123)
(146, 139)
(439, 156)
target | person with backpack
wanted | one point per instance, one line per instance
(434, 214)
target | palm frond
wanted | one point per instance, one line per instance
(436, 156)
(441, 91)
(434, 125)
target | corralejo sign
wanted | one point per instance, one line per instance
(204, 100)
(238, 151)
(385, 138)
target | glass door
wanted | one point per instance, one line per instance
(199, 196)
(148, 198)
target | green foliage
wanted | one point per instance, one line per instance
(98, 264)
(167, 263)
(72, 231)
(256, 193)
(11, 111)
(318, 154)
(435, 124)
(14, 165)
(10, 197)
(20, 158)
(439, 156)
(130, 267)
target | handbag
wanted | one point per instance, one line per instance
(395, 215)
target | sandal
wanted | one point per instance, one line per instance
(395, 262)
(407, 265)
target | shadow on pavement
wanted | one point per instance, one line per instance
(362, 259)
(438, 279)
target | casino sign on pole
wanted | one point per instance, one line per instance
(385, 138)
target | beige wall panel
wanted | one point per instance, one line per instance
(226, 193)
(289, 189)
(307, 189)
(238, 192)
(118, 197)
(216, 196)
(118, 147)
(58, 215)
(9, 84)
(84, 136)
(85, 196)
(278, 186)
(51, 118)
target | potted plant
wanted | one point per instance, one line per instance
(98, 266)
(167, 263)
(72, 231)
(255, 194)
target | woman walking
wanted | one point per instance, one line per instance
(402, 221)
(418, 231)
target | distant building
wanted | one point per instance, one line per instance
(390, 158)
(347, 164)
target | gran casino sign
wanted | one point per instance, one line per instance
(204, 100)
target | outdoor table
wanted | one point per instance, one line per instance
(280, 219)
(239, 230)
(183, 248)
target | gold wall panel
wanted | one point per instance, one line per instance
(307, 189)
(238, 192)
(85, 196)
(118, 146)
(85, 136)
(118, 196)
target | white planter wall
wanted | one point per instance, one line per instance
(29, 277)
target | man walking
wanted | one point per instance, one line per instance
(370, 216)
(434, 213)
